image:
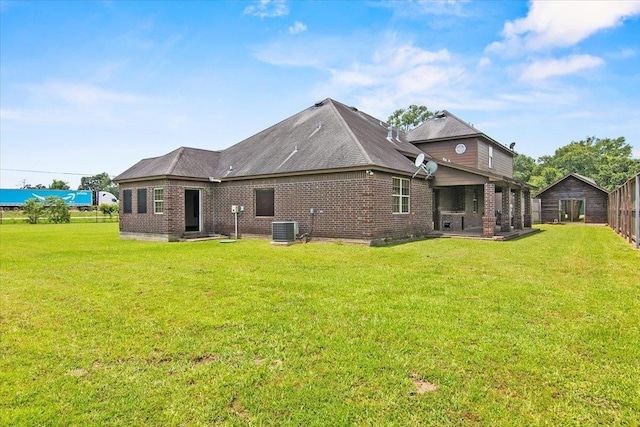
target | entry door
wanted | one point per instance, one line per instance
(192, 210)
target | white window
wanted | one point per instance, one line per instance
(158, 200)
(490, 157)
(400, 195)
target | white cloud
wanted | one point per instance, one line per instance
(297, 27)
(624, 53)
(352, 78)
(70, 102)
(484, 62)
(268, 9)
(408, 56)
(540, 70)
(391, 73)
(552, 24)
(83, 94)
(396, 75)
(404, 69)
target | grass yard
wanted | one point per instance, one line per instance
(95, 330)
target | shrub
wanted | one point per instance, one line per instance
(108, 209)
(33, 209)
(57, 210)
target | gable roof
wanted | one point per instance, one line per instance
(326, 136)
(582, 178)
(183, 162)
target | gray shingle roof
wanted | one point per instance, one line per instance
(326, 136)
(182, 162)
(441, 126)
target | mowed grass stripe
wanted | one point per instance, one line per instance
(97, 330)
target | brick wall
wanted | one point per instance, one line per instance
(170, 224)
(350, 205)
(489, 218)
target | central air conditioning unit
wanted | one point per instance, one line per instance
(284, 231)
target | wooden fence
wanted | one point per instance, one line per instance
(624, 210)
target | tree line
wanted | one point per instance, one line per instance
(608, 161)
(99, 182)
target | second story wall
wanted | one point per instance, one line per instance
(475, 154)
(494, 159)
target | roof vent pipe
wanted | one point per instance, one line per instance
(398, 134)
(389, 132)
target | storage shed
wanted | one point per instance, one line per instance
(574, 198)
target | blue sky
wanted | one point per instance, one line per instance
(91, 87)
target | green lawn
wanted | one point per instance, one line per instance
(95, 330)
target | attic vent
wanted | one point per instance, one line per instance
(319, 104)
(440, 115)
(354, 109)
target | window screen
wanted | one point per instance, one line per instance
(126, 201)
(265, 202)
(142, 200)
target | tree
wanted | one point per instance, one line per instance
(409, 118)
(33, 209)
(523, 167)
(57, 210)
(59, 185)
(100, 182)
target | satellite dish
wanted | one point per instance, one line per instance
(431, 168)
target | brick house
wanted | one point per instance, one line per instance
(574, 198)
(336, 171)
(474, 186)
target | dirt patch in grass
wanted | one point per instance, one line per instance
(206, 359)
(79, 372)
(422, 386)
(238, 409)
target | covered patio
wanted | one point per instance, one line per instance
(469, 204)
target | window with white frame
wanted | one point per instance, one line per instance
(158, 200)
(490, 157)
(400, 195)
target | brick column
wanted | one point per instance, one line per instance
(489, 217)
(505, 223)
(527, 209)
(517, 209)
